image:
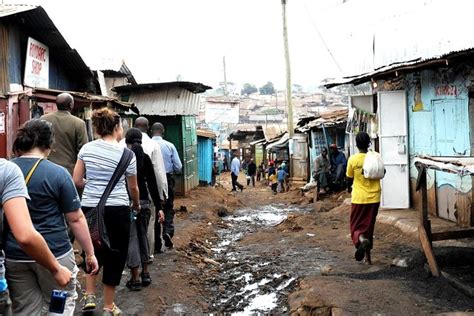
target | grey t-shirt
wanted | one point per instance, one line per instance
(12, 185)
(101, 159)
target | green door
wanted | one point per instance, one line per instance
(190, 163)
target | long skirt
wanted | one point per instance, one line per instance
(363, 221)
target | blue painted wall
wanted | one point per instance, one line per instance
(58, 78)
(439, 125)
(205, 159)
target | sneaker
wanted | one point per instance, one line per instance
(115, 311)
(134, 285)
(146, 279)
(168, 241)
(89, 302)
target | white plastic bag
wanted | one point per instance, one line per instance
(373, 166)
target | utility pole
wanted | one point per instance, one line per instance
(225, 78)
(288, 74)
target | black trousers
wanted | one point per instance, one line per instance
(168, 225)
(235, 182)
(139, 247)
(251, 179)
(117, 222)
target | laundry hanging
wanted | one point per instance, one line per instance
(362, 121)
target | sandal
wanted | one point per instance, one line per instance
(134, 285)
(89, 302)
(146, 278)
(115, 311)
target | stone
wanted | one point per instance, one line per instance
(222, 212)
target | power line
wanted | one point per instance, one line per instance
(322, 38)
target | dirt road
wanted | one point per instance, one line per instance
(278, 254)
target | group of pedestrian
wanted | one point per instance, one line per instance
(278, 176)
(330, 169)
(39, 197)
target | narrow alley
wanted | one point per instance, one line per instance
(280, 254)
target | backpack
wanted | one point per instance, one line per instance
(373, 167)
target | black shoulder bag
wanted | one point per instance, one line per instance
(95, 217)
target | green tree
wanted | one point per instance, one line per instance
(267, 89)
(248, 88)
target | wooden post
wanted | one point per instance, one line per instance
(424, 203)
(424, 228)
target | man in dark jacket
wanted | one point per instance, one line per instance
(69, 133)
(251, 172)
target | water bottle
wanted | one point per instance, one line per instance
(3, 285)
(5, 302)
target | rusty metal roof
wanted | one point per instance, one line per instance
(194, 87)
(48, 95)
(39, 25)
(326, 119)
(205, 133)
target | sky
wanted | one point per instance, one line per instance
(162, 39)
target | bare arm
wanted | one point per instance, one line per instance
(79, 173)
(133, 190)
(18, 217)
(78, 224)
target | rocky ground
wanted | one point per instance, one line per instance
(252, 251)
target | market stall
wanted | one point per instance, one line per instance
(462, 166)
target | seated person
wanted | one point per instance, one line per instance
(338, 164)
(322, 171)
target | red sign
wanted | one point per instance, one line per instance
(447, 90)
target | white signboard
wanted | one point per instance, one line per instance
(37, 65)
(222, 113)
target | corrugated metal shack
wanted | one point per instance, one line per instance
(241, 140)
(175, 105)
(206, 141)
(322, 131)
(33, 54)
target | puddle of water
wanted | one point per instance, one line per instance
(252, 283)
(260, 303)
(269, 215)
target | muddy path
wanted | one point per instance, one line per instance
(253, 252)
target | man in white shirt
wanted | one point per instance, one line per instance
(154, 152)
(235, 170)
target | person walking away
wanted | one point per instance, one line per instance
(261, 172)
(322, 171)
(365, 200)
(138, 249)
(53, 198)
(98, 160)
(234, 173)
(338, 163)
(69, 133)
(281, 175)
(273, 183)
(153, 150)
(172, 165)
(251, 172)
(225, 164)
(13, 197)
(284, 165)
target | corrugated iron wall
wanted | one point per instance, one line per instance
(167, 102)
(205, 159)
(4, 83)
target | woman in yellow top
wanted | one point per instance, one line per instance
(365, 200)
